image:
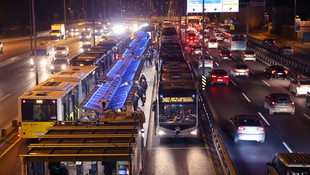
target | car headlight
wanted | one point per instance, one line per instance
(63, 67)
(58, 34)
(87, 36)
(88, 29)
(81, 50)
(31, 61)
(52, 67)
(63, 52)
(101, 30)
(80, 36)
(161, 133)
(95, 30)
(44, 62)
(195, 132)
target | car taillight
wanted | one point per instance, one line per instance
(273, 103)
(236, 70)
(241, 128)
(292, 50)
(283, 49)
(261, 128)
(255, 55)
(213, 76)
(248, 70)
(230, 54)
(274, 41)
(191, 37)
(187, 40)
(192, 48)
(220, 54)
(286, 71)
(273, 71)
(292, 103)
(195, 40)
(265, 41)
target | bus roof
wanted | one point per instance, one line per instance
(176, 76)
(74, 73)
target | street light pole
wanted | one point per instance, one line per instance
(294, 20)
(30, 26)
(35, 43)
(203, 38)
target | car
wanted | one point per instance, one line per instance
(98, 31)
(278, 102)
(300, 86)
(289, 163)
(240, 69)
(224, 54)
(275, 71)
(74, 31)
(87, 28)
(248, 55)
(208, 62)
(85, 35)
(218, 76)
(269, 42)
(62, 51)
(59, 64)
(246, 127)
(212, 43)
(286, 50)
(85, 47)
(219, 36)
(196, 50)
(191, 39)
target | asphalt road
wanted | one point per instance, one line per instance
(284, 133)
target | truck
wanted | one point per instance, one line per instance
(58, 31)
(45, 54)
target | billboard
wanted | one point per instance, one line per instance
(195, 6)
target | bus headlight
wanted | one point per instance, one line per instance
(31, 61)
(81, 50)
(63, 67)
(44, 62)
(195, 132)
(161, 133)
(52, 67)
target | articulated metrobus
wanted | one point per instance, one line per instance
(235, 40)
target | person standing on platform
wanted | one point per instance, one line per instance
(141, 77)
(140, 94)
(135, 101)
(143, 85)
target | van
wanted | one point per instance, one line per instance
(289, 164)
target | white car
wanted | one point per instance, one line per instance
(62, 51)
(240, 70)
(208, 62)
(59, 64)
(212, 43)
(278, 102)
(248, 55)
(85, 47)
(300, 86)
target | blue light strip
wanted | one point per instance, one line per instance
(115, 68)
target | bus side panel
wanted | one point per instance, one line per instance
(32, 130)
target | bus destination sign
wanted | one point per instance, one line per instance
(177, 100)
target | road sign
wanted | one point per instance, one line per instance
(232, 27)
(297, 24)
(195, 6)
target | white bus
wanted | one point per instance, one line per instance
(235, 40)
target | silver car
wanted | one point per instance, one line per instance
(240, 69)
(59, 64)
(208, 62)
(247, 127)
(248, 55)
(279, 103)
(300, 86)
(62, 51)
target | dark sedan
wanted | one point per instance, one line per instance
(276, 71)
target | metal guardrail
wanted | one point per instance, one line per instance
(271, 55)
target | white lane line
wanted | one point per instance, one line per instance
(27, 83)
(252, 72)
(233, 83)
(288, 148)
(306, 115)
(5, 97)
(266, 83)
(246, 98)
(217, 63)
(263, 118)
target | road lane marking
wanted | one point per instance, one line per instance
(217, 63)
(5, 97)
(252, 72)
(288, 148)
(306, 115)
(266, 83)
(263, 118)
(233, 83)
(246, 98)
(10, 147)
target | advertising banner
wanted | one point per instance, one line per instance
(195, 6)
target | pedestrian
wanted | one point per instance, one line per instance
(140, 93)
(147, 60)
(135, 101)
(142, 77)
(63, 170)
(143, 85)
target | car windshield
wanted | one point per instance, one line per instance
(249, 52)
(226, 51)
(241, 66)
(213, 40)
(86, 46)
(60, 61)
(60, 48)
(249, 121)
(278, 68)
(282, 98)
(208, 58)
(219, 72)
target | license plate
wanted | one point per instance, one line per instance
(280, 73)
(225, 57)
(219, 80)
(283, 109)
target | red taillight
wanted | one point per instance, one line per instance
(283, 49)
(248, 70)
(213, 76)
(220, 54)
(187, 40)
(230, 54)
(192, 48)
(292, 50)
(255, 55)
(274, 41)
(195, 40)
(261, 128)
(273, 71)
(265, 41)
(292, 103)
(286, 71)
(241, 128)
(236, 70)
(273, 103)
(191, 37)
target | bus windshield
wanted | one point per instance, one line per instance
(238, 38)
(34, 111)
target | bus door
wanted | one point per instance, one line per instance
(122, 168)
